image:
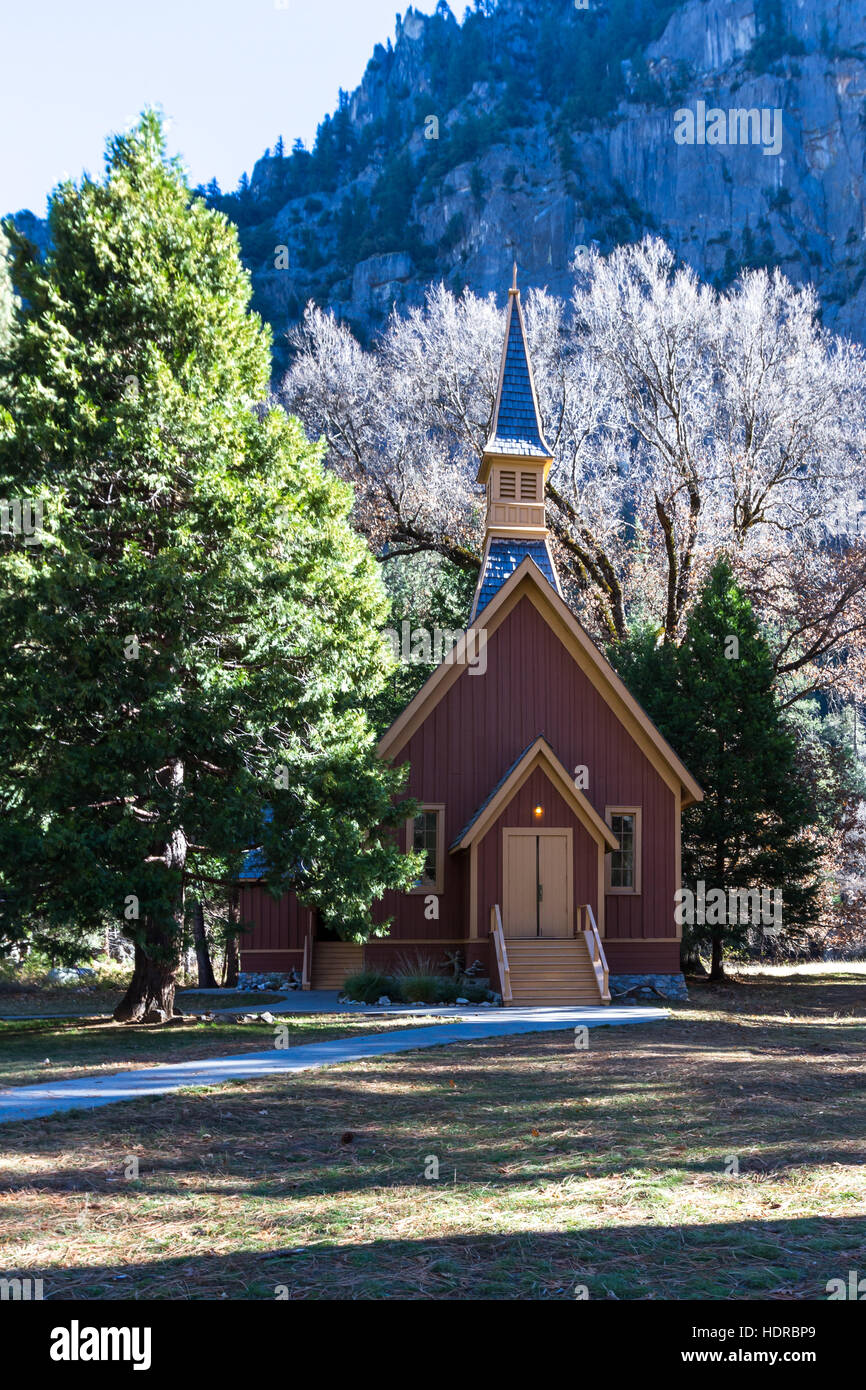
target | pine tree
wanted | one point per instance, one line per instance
(185, 658)
(713, 698)
(7, 297)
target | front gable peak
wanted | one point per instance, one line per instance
(538, 754)
(528, 582)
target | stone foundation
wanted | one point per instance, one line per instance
(648, 986)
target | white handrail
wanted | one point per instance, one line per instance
(596, 952)
(498, 935)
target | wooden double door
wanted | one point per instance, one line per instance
(537, 883)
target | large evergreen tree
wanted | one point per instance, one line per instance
(7, 298)
(185, 657)
(713, 698)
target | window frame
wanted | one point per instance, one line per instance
(635, 890)
(437, 808)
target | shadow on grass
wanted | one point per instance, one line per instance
(594, 1167)
(792, 1259)
(652, 1113)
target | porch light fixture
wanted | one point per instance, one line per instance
(538, 812)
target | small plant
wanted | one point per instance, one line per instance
(428, 989)
(420, 981)
(476, 994)
(368, 986)
(416, 980)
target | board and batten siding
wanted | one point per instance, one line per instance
(275, 940)
(532, 686)
(483, 723)
(628, 956)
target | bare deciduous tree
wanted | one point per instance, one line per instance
(684, 422)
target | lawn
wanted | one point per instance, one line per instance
(101, 998)
(46, 1050)
(716, 1156)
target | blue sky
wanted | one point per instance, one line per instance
(230, 75)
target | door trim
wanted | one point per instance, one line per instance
(536, 831)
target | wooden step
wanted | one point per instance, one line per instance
(567, 996)
(552, 972)
(553, 999)
(576, 952)
(550, 962)
(529, 982)
(541, 943)
(557, 982)
(553, 987)
(543, 963)
(523, 989)
(570, 967)
(333, 962)
(550, 967)
(549, 973)
(555, 1004)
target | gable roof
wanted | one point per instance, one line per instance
(516, 426)
(527, 581)
(537, 754)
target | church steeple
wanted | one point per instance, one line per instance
(516, 429)
(514, 468)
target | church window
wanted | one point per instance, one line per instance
(623, 864)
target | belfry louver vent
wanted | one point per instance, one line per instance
(528, 487)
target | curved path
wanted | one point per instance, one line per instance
(86, 1093)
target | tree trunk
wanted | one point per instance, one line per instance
(232, 962)
(717, 969)
(206, 979)
(690, 960)
(150, 997)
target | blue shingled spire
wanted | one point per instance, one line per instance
(516, 427)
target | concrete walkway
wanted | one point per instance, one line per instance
(33, 1102)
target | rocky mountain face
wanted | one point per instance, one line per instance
(532, 130)
(538, 127)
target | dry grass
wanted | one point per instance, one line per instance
(93, 1000)
(792, 968)
(558, 1168)
(40, 1052)
(19, 1001)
